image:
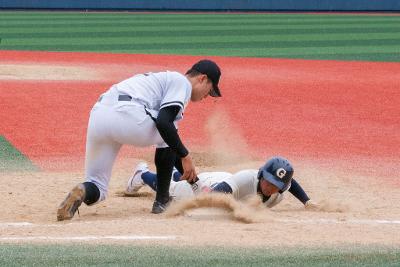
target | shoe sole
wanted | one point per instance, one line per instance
(68, 207)
(134, 189)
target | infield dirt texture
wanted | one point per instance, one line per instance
(337, 122)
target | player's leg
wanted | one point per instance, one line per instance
(99, 162)
(136, 181)
(100, 156)
(150, 178)
(176, 175)
(177, 190)
(164, 160)
(143, 176)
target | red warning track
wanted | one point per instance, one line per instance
(297, 108)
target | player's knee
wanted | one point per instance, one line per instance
(92, 193)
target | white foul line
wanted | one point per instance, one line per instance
(295, 221)
(336, 221)
(16, 224)
(85, 238)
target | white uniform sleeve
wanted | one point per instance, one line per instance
(176, 92)
(207, 180)
(243, 183)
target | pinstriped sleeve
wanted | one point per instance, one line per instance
(176, 92)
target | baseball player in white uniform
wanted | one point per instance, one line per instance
(269, 182)
(143, 110)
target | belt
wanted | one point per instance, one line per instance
(129, 98)
(120, 98)
(124, 98)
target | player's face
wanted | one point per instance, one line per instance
(201, 89)
(267, 188)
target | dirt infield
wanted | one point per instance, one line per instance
(370, 215)
(336, 121)
(45, 72)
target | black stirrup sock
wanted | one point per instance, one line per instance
(92, 193)
(165, 161)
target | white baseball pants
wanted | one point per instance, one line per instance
(113, 123)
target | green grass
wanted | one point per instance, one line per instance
(12, 160)
(133, 255)
(309, 36)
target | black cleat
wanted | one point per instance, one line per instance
(159, 207)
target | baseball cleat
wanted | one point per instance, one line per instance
(136, 181)
(71, 203)
(159, 207)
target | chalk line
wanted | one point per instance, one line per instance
(86, 238)
(339, 221)
(372, 222)
(15, 224)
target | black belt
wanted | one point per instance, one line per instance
(124, 98)
(129, 98)
(120, 98)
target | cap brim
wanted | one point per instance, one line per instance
(273, 180)
(215, 92)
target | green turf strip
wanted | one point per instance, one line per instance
(108, 255)
(174, 23)
(184, 30)
(24, 15)
(234, 39)
(138, 36)
(260, 35)
(12, 160)
(218, 45)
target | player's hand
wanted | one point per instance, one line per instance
(189, 171)
(312, 206)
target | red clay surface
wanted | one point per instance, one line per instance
(322, 110)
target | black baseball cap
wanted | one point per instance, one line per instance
(213, 72)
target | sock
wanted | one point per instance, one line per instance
(176, 176)
(165, 161)
(92, 193)
(150, 179)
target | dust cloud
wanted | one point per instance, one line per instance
(243, 212)
(227, 145)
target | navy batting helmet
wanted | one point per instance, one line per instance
(278, 171)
